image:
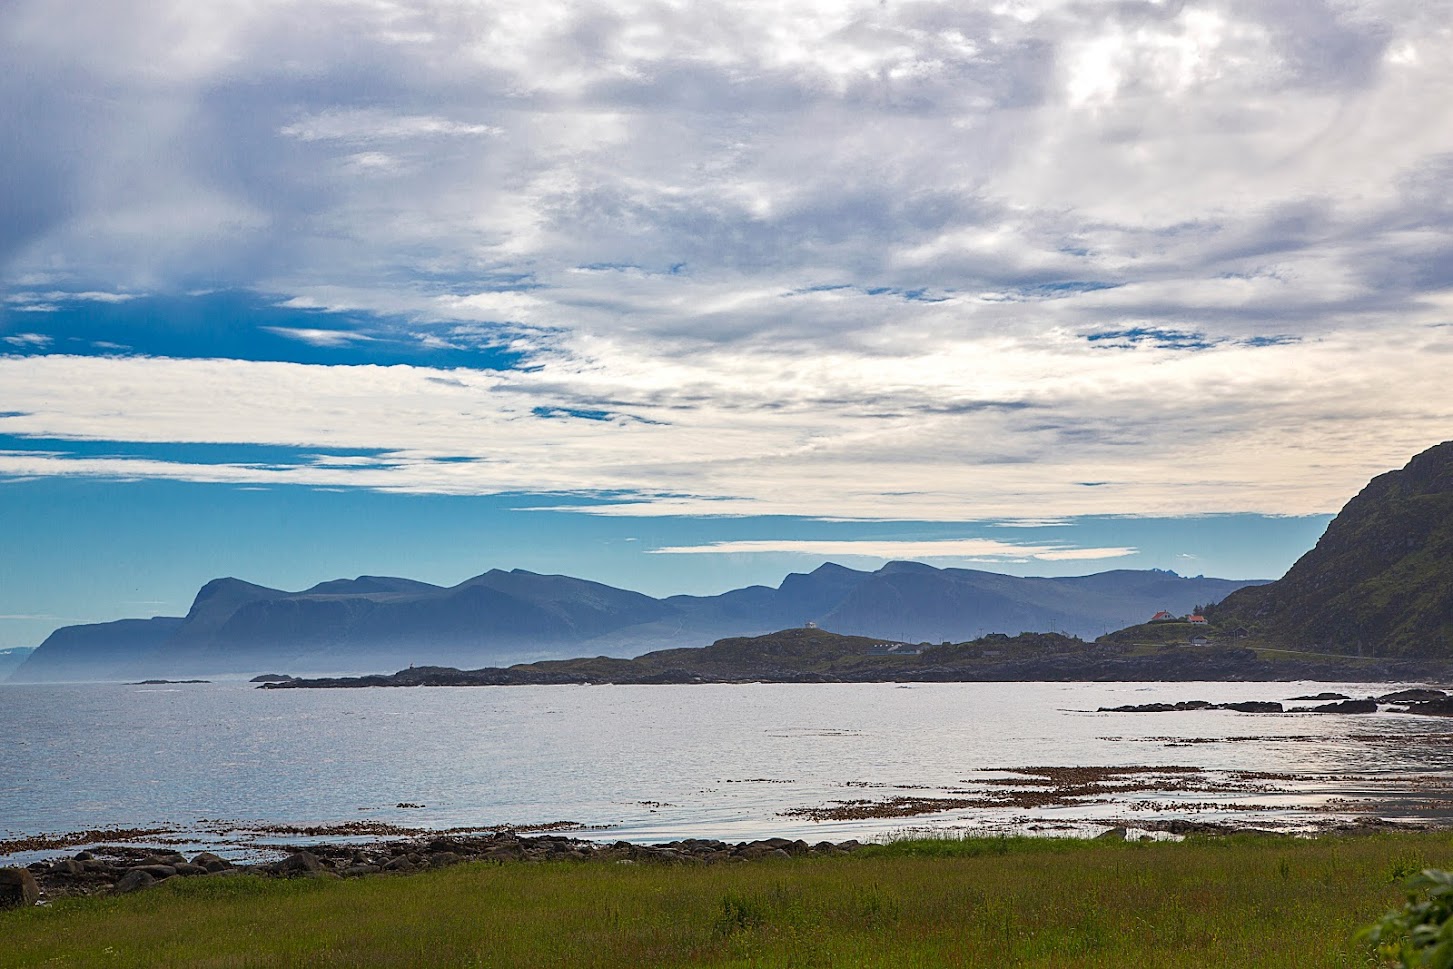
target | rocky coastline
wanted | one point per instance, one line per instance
(825, 658)
(121, 869)
(1425, 702)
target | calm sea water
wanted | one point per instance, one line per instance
(650, 763)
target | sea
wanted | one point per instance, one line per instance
(234, 768)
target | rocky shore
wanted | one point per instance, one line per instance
(1426, 702)
(122, 869)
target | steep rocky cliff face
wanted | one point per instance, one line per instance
(1380, 580)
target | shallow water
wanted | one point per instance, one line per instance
(650, 763)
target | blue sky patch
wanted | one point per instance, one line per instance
(1159, 337)
(241, 326)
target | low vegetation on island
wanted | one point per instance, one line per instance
(818, 656)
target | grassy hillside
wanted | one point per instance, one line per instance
(1243, 901)
(1380, 580)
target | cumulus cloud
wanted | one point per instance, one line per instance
(930, 259)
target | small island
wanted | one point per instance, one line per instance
(809, 655)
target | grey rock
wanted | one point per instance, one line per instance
(298, 863)
(157, 871)
(18, 888)
(133, 881)
(1411, 696)
(1252, 706)
(1344, 706)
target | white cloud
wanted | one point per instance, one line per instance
(964, 548)
(841, 258)
(28, 340)
(61, 296)
(967, 432)
(318, 338)
(363, 126)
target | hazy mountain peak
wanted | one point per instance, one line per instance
(368, 584)
(899, 565)
(229, 590)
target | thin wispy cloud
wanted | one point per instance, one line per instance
(316, 337)
(364, 126)
(36, 340)
(977, 549)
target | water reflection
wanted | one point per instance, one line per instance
(660, 762)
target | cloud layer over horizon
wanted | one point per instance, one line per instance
(869, 261)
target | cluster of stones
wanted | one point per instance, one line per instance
(1246, 706)
(123, 869)
(1425, 701)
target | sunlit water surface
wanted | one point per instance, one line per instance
(654, 763)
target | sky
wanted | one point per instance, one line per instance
(683, 297)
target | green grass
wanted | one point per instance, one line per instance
(1234, 902)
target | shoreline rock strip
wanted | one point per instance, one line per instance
(118, 869)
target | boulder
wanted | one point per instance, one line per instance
(18, 888)
(1411, 696)
(298, 863)
(1252, 706)
(211, 862)
(133, 881)
(1432, 708)
(157, 871)
(1344, 706)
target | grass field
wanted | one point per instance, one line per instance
(1236, 902)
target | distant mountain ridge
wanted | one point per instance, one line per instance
(1380, 579)
(375, 623)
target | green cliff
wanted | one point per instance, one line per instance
(1380, 580)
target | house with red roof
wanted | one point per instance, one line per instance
(1162, 616)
